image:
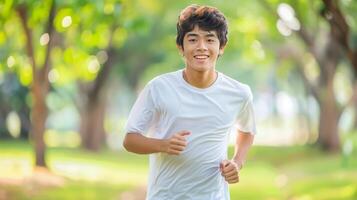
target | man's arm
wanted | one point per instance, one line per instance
(230, 168)
(140, 144)
(243, 143)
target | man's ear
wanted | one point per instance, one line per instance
(221, 50)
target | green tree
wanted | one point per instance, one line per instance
(311, 33)
(40, 83)
(345, 34)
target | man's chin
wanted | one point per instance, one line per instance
(201, 68)
(204, 69)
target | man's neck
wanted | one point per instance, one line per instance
(200, 79)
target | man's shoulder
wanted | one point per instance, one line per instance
(236, 85)
(164, 79)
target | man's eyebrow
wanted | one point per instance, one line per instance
(196, 35)
(192, 34)
(210, 35)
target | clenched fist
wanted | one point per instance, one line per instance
(230, 171)
(177, 143)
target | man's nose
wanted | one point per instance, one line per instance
(201, 45)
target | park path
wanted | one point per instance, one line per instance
(137, 193)
(39, 178)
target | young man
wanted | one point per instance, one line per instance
(191, 113)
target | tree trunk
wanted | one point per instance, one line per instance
(328, 136)
(93, 104)
(329, 110)
(40, 82)
(38, 118)
(342, 34)
(92, 124)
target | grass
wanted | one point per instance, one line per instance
(296, 173)
(87, 175)
(291, 173)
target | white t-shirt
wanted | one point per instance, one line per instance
(167, 105)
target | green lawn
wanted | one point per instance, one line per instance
(291, 173)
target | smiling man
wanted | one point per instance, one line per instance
(191, 113)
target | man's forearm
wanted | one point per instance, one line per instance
(140, 144)
(243, 143)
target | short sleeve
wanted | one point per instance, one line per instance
(143, 112)
(246, 117)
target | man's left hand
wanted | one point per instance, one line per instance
(230, 171)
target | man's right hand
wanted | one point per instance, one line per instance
(177, 143)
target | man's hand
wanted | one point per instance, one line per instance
(230, 171)
(177, 143)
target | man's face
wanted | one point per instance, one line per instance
(201, 49)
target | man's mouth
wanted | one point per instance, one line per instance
(201, 57)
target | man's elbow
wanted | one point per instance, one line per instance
(126, 143)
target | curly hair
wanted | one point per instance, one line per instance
(207, 18)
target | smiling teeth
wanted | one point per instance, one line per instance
(201, 57)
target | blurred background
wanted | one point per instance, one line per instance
(71, 70)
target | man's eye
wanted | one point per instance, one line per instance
(191, 40)
(210, 40)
